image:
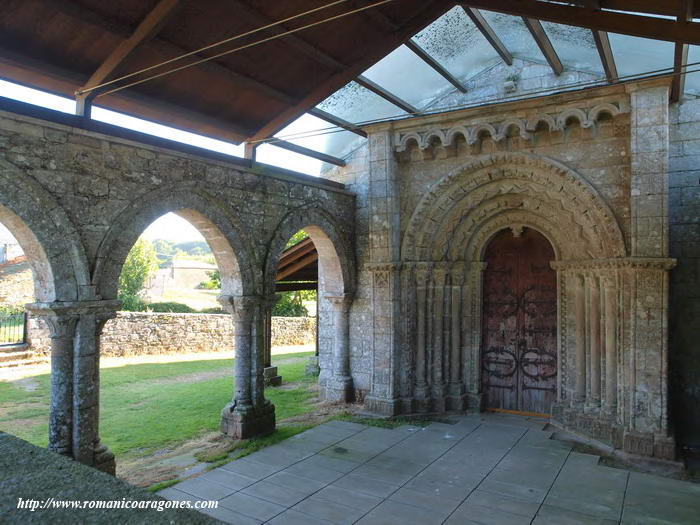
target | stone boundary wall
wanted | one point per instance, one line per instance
(141, 333)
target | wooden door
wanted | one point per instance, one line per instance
(519, 347)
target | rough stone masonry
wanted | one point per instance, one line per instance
(404, 308)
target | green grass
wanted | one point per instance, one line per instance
(146, 407)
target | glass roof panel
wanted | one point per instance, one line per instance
(317, 134)
(635, 55)
(575, 46)
(514, 35)
(457, 44)
(692, 80)
(282, 158)
(357, 104)
(405, 75)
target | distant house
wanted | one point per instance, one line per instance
(182, 274)
(9, 247)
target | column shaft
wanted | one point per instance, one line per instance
(594, 339)
(610, 347)
(580, 313)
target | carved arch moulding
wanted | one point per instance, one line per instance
(475, 130)
(456, 217)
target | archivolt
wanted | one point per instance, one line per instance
(333, 244)
(51, 242)
(219, 226)
(461, 205)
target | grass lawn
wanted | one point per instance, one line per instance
(147, 407)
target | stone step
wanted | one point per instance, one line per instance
(15, 356)
(23, 362)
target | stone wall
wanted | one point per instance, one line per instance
(143, 333)
(684, 320)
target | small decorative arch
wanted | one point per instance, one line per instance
(47, 236)
(492, 185)
(603, 109)
(221, 229)
(407, 139)
(333, 244)
(434, 135)
(479, 129)
(576, 113)
(533, 122)
(505, 126)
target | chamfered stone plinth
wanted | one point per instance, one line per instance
(339, 389)
(243, 422)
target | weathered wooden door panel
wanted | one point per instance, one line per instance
(518, 356)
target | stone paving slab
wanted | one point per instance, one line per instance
(485, 469)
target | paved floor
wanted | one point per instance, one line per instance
(487, 469)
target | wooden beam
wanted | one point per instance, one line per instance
(301, 150)
(428, 59)
(545, 44)
(680, 55)
(295, 41)
(602, 42)
(386, 95)
(293, 287)
(430, 11)
(168, 51)
(289, 270)
(146, 30)
(336, 121)
(612, 22)
(16, 67)
(489, 34)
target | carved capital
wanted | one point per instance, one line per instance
(62, 317)
(340, 302)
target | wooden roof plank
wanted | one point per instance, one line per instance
(301, 150)
(336, 121)
(146, 30)
(429, 12)
(610, 21)
(489, 34)
(428, 59)
(607, 58)
(301, 263)
(386, 95)
(545, 44)
(680, 55)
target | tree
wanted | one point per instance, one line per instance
(140, 264)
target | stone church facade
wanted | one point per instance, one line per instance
(512, 256)
(584, 337)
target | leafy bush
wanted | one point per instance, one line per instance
(214, 282)
(7, 310)
(140, 264)
(170, 307)
(290, 305)
(133, 303)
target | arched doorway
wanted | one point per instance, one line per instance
(519, 345)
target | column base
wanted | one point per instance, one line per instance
(384, 407)
(312, 367)
(270, 377)
(243, 422)
(339, 390)
(456, 402)
(104, 460)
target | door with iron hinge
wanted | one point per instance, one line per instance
(519, 323)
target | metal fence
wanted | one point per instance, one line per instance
(13, 328)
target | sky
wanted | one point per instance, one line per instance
(170, 226)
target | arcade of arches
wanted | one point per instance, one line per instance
(511, 257)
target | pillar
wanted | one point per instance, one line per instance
(438, 353)
(75, 329)
(421, 393)
(270, 375)
(456, 396)
(610, 296)
(594, 338)
(247, 414)
(339, 385)
(580, 313)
